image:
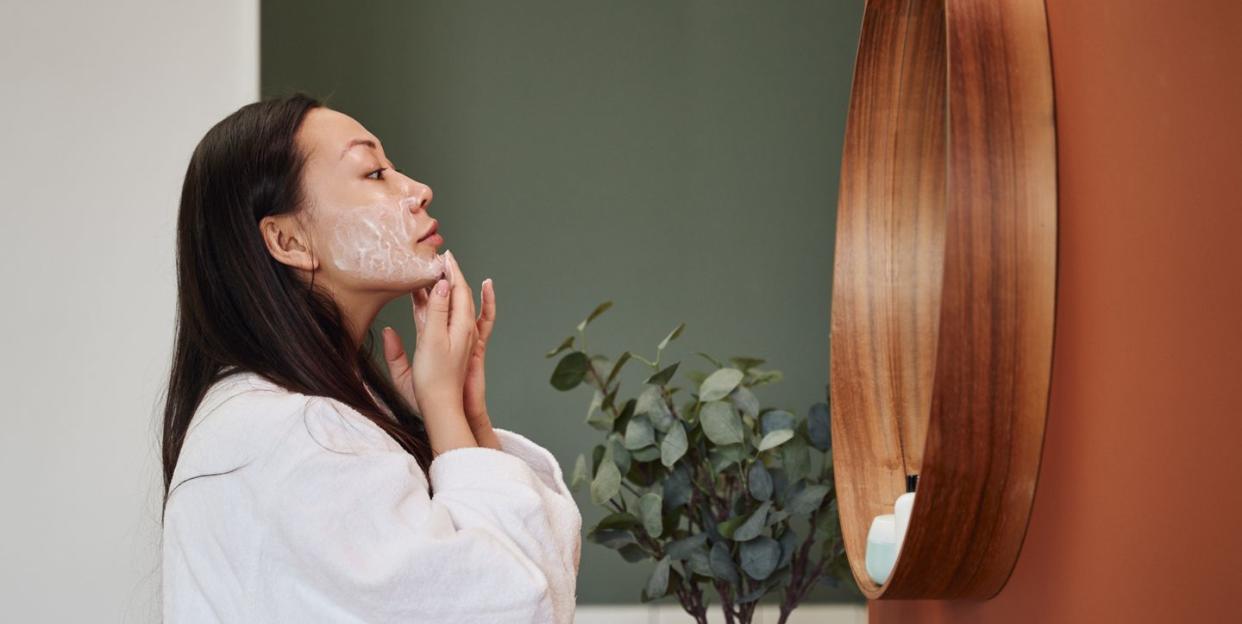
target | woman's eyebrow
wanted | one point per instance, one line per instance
(359, 142)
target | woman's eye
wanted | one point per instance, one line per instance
(376, 172)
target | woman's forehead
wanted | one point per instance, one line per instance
(330, 132)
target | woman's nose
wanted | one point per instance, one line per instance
(421, 197)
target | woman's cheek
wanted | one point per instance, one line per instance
(374, 243)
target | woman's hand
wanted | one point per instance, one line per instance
(474, 399)
(399, 366)
(447, 336)
(473, 391)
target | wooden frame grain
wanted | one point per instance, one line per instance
(944, 288)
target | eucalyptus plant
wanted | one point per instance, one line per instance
(709, 485)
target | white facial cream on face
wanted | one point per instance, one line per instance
(377, 242)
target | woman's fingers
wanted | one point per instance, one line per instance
(462, 298)
(418, 297)
(394, 354)
(487, 315)
(435, 312)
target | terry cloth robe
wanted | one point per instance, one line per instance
(294, 508)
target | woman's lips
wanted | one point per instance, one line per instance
(435, 240)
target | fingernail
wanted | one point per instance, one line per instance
(442, 288)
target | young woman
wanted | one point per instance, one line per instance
(302, 484)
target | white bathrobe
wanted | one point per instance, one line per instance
(315, 514)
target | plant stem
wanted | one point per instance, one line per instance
(691, 598)
(726, 601)
(631, 489)
(800, 581)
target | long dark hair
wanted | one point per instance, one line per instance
(240, 309)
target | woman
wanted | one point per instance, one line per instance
(301, 483)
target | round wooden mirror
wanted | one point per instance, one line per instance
(944, 288)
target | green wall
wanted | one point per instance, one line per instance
(678, 158)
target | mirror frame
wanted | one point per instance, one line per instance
(944, 288)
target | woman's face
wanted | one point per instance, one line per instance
(365, 219)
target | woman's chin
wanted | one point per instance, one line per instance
(415, 274)
(420, 284)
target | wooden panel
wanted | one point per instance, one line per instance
(944, 287)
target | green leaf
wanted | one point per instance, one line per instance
(674, 445)
(581, 476)
(721, 563)
(796, 459)
(649, 401)
(689, 411)
(818, 427)
(606, 484)
(828, 526)
(570, 371)
(661, 378)
(597, 456)
(775, 438)
(601, 420)
(639, 433)
(611, 538)
(599, 309)
(720, 423)
(789, 544)
(681, 548)
(657, 584)
(780, 483)
(677, 488)
(765, 377)
(776, 419)
(759, 482)
(698, 562)
(610, 398)
(597, 401)
(645, 454)
(633, 553)
(709, 358)
(807, 499)
(616, 367)
(623, 419)
(719, 384)
(598, 418)
(776, 516)
(754, 524)
(618, 453)
(759, 557)
(619, 520)
(565, 344)
(780, 578)
(746, 363)
(727, 527)
(649, 508)
(723, 456)
(662, 418)
(745, 401)
(672, 336)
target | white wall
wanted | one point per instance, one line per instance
(101, 104)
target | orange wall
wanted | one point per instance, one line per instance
(1138, 516)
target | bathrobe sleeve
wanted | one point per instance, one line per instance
(499, 542)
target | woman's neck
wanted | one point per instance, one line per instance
(359, 311)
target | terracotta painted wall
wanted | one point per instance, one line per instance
(1138, 516)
